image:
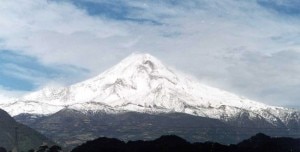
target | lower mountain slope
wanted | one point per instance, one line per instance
(70, 127)
(27, 138)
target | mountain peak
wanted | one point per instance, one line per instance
(140, 61)
(141, 56)
(137, 75)
(138, 68)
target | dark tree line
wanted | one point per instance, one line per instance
(257, 143)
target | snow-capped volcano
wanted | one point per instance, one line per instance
(141, 83)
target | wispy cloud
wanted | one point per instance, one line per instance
(287, 7)
(249, 47)
(22, 72)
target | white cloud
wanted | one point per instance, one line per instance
(210, 39)
(57, 32)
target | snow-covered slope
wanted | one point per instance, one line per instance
(142, 83)
(5, 99)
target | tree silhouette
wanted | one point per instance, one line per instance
(43, 148)
(2, 149)
(54, 148)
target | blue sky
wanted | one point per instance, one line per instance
(250, 47)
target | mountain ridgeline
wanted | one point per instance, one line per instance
(141, 98)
